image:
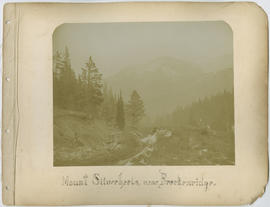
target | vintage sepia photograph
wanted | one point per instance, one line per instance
(143, 93)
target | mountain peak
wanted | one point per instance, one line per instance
(165, 82)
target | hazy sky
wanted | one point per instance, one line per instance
(115, 46)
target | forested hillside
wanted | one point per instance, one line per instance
(106, 122)
(215, 112)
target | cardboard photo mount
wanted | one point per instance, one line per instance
(29, 177)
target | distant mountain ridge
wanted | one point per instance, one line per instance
(165, 83)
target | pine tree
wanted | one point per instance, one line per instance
(92, 87)
(57, 60)
(64, 80)
(135, 108)
(120, 114)
(108, 110)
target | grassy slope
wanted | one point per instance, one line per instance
(80, 142)
(194, 147)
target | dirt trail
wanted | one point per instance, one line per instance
(141, 157)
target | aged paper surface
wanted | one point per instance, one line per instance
(28, 40)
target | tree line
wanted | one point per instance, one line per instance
(86, 92)
(215, 112)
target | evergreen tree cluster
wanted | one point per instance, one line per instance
(215, 112)
(64, 81)
(86, 92)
